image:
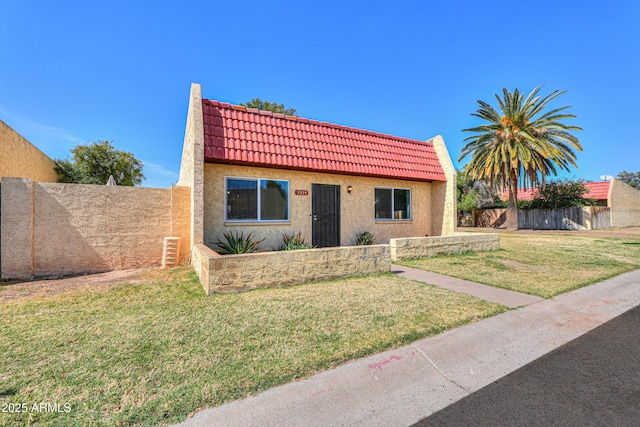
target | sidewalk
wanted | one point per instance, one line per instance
(400, 387)
(488, 293)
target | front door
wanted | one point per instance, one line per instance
(325, 217)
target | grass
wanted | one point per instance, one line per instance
(152, 353)
(544, 265)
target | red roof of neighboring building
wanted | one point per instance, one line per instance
(239, 135)
(597, 190)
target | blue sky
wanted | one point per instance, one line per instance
(75, 72)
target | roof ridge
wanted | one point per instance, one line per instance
(227, 105)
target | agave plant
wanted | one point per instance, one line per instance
(237, 244)
(365, 238)
(293, 242)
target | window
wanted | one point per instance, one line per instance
(393, 203)
(257, 199)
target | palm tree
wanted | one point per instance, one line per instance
(519, 143)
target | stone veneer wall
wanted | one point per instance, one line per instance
(231, 273)
(21, 159)
(426, 247)
(51, 229)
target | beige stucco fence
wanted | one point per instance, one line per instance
(50, 229)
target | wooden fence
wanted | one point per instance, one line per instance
(575, 218)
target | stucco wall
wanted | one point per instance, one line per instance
(51, 229)
(624, 201)
(16, 257)
(192, 164)
(444, 208)
(21, 159)
(357, 208)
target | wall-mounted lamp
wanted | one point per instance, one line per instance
(349, 189)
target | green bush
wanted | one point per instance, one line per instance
(237, 244)
(468, 201)
(293, 242)
(498, 202)
(562, 193)
(365, 238)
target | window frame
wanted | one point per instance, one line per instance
(258, 200)
(393, 201)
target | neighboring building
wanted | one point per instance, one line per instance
(599, 191)
(622, 199)
(21, 159)
(271, 174)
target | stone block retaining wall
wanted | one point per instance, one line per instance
(243, 272)
(232, 273)
(426, 247)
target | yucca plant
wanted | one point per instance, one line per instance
(237, 244)
(293, 242)
(365, 238)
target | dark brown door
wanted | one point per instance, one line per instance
(325, 217)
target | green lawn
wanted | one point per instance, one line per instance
(544, 264)
(153, 353)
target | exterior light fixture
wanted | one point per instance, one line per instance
(349, 189)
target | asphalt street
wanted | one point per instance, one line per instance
(593, 380)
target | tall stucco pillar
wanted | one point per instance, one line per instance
(192, 165)
(445, 193)
(16, 228)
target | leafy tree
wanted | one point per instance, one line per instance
(467, 197)
(520, 142)
(562, 194)
(473, 194)
(499, 203)
(270, 106)
(463, 182)
(93, 163)
(631, 178)
(469, 200)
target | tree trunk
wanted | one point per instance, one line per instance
(512, 207)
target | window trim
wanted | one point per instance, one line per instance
(258, 201)
(393, 190)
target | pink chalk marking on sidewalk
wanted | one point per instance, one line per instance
(381, 364)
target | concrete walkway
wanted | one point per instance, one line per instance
(488, 293)
(400, 387)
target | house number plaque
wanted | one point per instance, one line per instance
(302, 192)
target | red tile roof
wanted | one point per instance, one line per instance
(239, 135)
(597, 190)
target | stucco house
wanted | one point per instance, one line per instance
(22, 159)
(271, 174)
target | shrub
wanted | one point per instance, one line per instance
(498, 202)
(237, 244)
(561, 193)
(293, 242)
(365, 238)
(468, 201)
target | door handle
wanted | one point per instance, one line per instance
(315, 217)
